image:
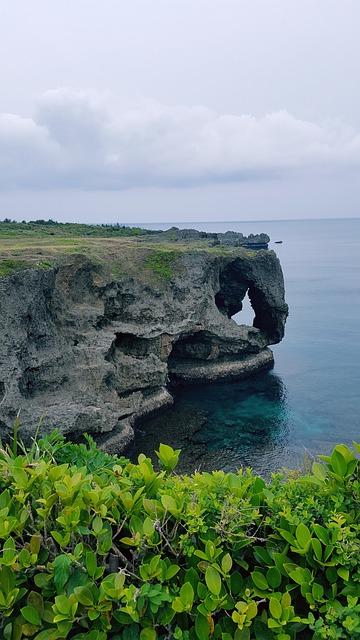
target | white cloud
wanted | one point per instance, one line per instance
(82, 140)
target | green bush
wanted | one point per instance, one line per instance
(87, 454)
(113, 550)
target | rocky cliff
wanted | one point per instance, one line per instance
(84, 350)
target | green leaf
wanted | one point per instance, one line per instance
(331, 574)
(178, 605)
(47, 634)
(202, 627)
(345, 452)
(303, 535)
(171, 571)
(148, 527)
(168, 456)
(169, 503)
(84, 595)
(288, 536)
(321, 533)
(62, 565)
(213, 580)
(259, 580)
(91, 563)
(210, 550)
(262, 556)
(187, 594)
(319, 471)
(317, 548)
(31, 615)
(273, 624)
(41, 580)
(286, 600)
(338, 463)
(242, 634)
(34, 544)
(236, 582)
(148, 634)
(273, 577)
(62, 604)
(301, 576)
(275, 608)
(317, 591)
(57, 537)
(226, 563)
(8, 632)
(35, 600)
(97, 525)
(343, 573)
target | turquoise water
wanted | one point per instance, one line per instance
(311, 399)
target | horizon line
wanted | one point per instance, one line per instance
(171, 222)
(239, 221)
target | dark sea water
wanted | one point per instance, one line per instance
(311, 399)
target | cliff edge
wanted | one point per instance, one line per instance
(89, 340)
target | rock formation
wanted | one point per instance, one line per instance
(83, 351)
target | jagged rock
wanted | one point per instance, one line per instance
(229, 238)
(81, 351)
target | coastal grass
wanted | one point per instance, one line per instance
(95, 547)
(117, 250)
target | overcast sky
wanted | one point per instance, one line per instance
(179, 110)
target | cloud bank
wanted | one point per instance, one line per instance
(83, 140)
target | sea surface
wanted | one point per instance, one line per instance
(311, 399)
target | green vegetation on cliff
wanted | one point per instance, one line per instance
(42, 244)
(46, 228)
(162, 262)
(97, 548)
(116, 249)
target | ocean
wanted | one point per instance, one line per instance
(310, 400)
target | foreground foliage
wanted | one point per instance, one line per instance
(95, 548)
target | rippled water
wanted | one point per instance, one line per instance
(311, 399)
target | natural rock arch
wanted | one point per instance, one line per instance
(239, 277)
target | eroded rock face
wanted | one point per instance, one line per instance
(81, 352)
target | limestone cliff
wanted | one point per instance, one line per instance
(82, 350)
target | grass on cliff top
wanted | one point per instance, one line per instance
(50, 228)
(8, 266)
(118, 250)
(162, 263)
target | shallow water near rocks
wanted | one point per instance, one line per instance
(311, 399)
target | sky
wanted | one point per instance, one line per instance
(179, 110)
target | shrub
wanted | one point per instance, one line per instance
(121, 551)
(87, 454)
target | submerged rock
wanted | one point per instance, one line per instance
(81, 350)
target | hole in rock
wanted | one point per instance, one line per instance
(246, 315)
(196, 346)
(130, 345)
(234, 285)
(2, 391)
(232, 299)
(239, 308)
